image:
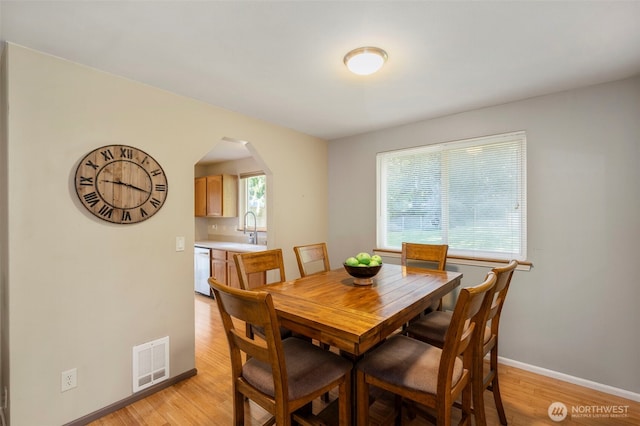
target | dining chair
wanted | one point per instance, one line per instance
(428, 256)
(423, 373)
(253, 268)
(433, 329)
(279, 375)
(312, 258)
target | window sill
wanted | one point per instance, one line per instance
(523, 265)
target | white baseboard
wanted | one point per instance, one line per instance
(571, 379)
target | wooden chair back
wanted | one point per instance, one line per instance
(260, 262)
(419, 254)
(255, 308)
(433, 253)
(503, 280)
(465, 330)
(312, 258)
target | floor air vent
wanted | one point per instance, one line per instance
(150, 363)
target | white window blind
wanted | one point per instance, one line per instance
(468, 194)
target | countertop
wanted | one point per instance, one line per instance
(229, 246)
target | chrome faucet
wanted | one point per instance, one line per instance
(253, 236)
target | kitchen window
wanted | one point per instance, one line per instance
(469, 194)
(252, 197)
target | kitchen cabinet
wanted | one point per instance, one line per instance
(216, 196)
(219, 265)
(201, 197)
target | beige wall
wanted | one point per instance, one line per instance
(83, 292)
(4, 232)
(576, 311)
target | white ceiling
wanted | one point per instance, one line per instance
(281, 61)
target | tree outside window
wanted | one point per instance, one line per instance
(253, 198)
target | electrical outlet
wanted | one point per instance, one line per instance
(69, 380)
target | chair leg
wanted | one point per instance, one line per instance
(344, 402)
(477, 387)
(466, 408)
(495, 386)
(362, 399)
(478, 406)
(326, 347)
(398, 406)
(238, 408)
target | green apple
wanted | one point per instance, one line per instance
(377, 258)
(363, 258)
(374, 263)
(352, 261)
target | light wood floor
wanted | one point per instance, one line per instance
(205, 398)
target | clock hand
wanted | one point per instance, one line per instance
(135, 187)
(118, 182)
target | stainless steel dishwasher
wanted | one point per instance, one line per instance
(202, 271)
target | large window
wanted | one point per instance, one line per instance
(253, 198)
(468, 194)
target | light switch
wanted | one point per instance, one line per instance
(179, 243)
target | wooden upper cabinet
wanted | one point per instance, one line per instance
(216, 196)
(201, 197)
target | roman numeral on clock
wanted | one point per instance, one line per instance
(91, 164)
(126, 153)
(86, 181)
(106, 211)
(107, 155)
(91, 199)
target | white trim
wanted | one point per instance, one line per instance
(571, 379)
(484, 263)
(458, 261)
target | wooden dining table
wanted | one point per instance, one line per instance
(354, 318)
(332, 309)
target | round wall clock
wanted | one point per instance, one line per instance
(121, 184)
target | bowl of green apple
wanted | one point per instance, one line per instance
(363, 267)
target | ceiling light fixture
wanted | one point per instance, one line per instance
(365, 60)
